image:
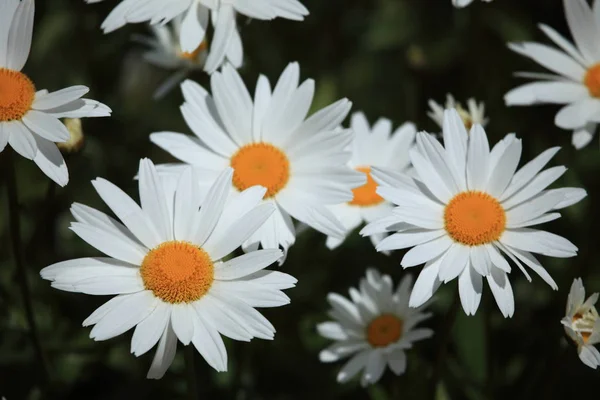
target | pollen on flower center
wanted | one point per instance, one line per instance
(177, 272)
(260, 164)
(384, 330)
(17, 93)
(474, 218)
(592, 80)
(366, 195)
(192, 56)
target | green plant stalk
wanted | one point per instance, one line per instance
(190, 373)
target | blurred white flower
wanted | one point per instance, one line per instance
(374, 146)
(575, 78)
(474, 114)
(464, 3)
(374, 328)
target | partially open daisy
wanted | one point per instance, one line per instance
(168, 265)
(372, 147)
(196, 15)
(302, 162)
(465, 206)
(374, 328)
(575, 78)
(29, 120)
(474, 114)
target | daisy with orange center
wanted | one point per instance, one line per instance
(374, 328)
(374, 146)
(30, 120)
(574, 81)
(269, 141)
(165, 264)
(466, 207)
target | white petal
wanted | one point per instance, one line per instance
(131, 311)
(165, 353)
(19, 35)
(182, 321)
(21, 139)
(247, 264)
(148, 332)
(209, 344)
(49, 159)
(59, 97)
(212, 207)
(500, 286)
(470, 287)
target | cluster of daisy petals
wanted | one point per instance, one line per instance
(257, 165)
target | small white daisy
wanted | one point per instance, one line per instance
(196, 15)
(464, 3)
(372, 147)
(374, 328)
(575, 81)
(167, 263)
(465, 206)
(269, 142)
(474, 114)
(29, 120)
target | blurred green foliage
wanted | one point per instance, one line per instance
(389, 57)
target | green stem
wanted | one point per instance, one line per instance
(15, 233)
(444, 339)
(190, 373)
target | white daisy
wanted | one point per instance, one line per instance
(372, 147)
(475, 114)
(464, 3)
(585, 341)
(374, 328)
(29, 120)
(575, 81)
(302, 162)
(466, 206)
(196, 15)
(167, 263)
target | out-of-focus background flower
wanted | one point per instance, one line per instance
(387, 56)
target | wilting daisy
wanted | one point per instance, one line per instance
(465, 206)
(575, 78)
(29, 120)
(474, 114)
(196, 15)
(168, 265)
(269, 142)
(464, 3)
(582, 323)
(374, 328)
(372, 147)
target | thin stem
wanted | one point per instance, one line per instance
(15, 233)
(444, 339)
(190, 373)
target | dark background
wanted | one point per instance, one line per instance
(387, 56)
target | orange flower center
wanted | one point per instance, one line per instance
(586, 336)
(384, 330)
(177, 272)
(194, 54)
(365, 195)
(17, 93)
(474, 218)
(592, 80)
(260, 164)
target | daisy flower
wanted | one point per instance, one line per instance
(196, 15)
(29, 120)
(465, 206)
(474, 114)
(269, 142)
(575, 78)
(374, 328)
(372, 147)
(168, 265)
(464, 3)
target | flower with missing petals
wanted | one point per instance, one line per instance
(474, 114)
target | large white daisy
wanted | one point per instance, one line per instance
(372, 147)
(374, 328)
(465, 206)
(168, 265)
(29, 120)
(302, 162)
(197, 13)
(575, 78)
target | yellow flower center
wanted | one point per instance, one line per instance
(260, 164)
(474, 218)
(592, 80)
(586, 336)
(192, 56)
(365, 195)
(384, 330)
(177, 272)
(17, 93)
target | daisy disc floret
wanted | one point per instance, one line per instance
(29, 119)
(374, 146)
(574, 81)
(168, 266)
(269, 141)
(373, 328)
(466, 207)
